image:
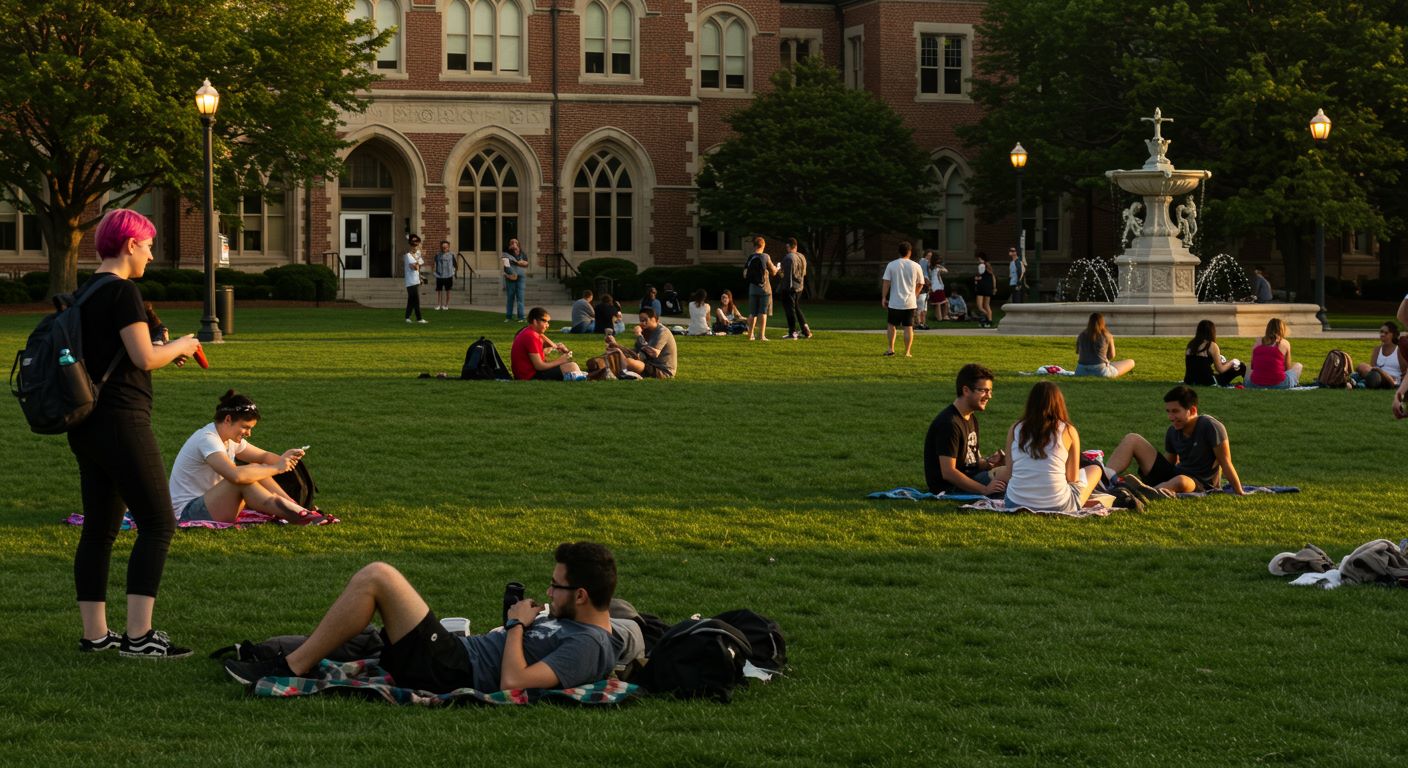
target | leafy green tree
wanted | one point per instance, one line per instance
(97, 104)
(814, 159)
(1071, 80)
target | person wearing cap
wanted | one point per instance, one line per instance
(411, 263)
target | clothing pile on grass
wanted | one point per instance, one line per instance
(1376, 562)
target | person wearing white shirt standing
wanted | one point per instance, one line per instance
(411, 264)
(938, 298)
(898, 295)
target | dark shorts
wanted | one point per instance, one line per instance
(1163, 471)
(656, 372)
(444, 283)
(428, 658)
(551, 374)
(898, 317)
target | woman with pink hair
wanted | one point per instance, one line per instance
(119, 464)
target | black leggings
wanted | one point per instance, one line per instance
(412, 301)
(119, 465)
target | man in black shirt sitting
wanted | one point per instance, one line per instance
(952, 462)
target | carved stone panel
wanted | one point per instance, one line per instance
(417, 116)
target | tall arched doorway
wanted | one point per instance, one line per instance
(374, 209)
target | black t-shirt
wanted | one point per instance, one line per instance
(113, 306)
(951, 435)
(605, 317)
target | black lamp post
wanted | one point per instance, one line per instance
(1018, 156)
(207, 101)
(1320, 132)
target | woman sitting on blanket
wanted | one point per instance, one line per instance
(1272, 367)
(1044, 451)
(1203, 362)
(1387, 369)
(207, 485)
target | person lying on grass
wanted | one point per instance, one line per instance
(206, 484)
(1196, 453)
(571, 646)
(952, 462)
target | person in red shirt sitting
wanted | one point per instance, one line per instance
(526, 357)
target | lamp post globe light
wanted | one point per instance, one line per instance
(1320, 132)
(1018, 157)
(207, 101)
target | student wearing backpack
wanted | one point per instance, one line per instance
(759, 271)
(119, 463)
(1271, 360)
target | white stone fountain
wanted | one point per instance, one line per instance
(1157, 272)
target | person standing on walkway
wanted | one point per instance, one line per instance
(411, 264)
(1017, 277)
(794, 278)
(119, 462)
(515, 264)
(759, 271)
(984, 286)
(899, 296)
(444, 275)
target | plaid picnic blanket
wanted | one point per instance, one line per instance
(914, 494)
(1091, 509)
(1227, 488)
(365, 678)
(246, 517)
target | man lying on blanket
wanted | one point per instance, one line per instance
(570, 647)
(1196, 447)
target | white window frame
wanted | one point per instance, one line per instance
(636, 191)
(853, 41)
(733, 15)
(398, 40)
(943, 31)
(939, 212)
(637, 11)
(10, 212)
(283, 224)
(497, 71)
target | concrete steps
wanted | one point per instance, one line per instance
(390, 292)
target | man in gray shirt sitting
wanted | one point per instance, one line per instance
(653, 355)
(1196, 453)
(583, 314)
(571, 646)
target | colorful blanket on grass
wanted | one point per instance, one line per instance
(365, 678)
(978, 501)
(1248, 488)
(247, 517)
(914, 494)
(1092, 508)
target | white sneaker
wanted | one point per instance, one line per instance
(423, 321)
(408, 319)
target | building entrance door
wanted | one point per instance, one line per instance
(355, 229)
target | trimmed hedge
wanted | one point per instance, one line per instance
(292, 282)
(14, 292)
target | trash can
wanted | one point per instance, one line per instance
(225, 308)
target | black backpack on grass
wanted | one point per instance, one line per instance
(49, 376)
(298, 484)
(769, 648)
(482, 361)
(697, 658)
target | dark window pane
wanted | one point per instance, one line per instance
(466, 231)
(625, 181)
(953, 81)
(623, 204)
(499, 162)
(33, 235)
(709, 78)
(603, 233)
(623, 234)
(708, 238)
(374, 203)
(253, 240)
(510, 178)
(466, 202)
(7, 235)
(253, 204)
(582, 181)
(804, 49)
(620, 63)
(456, 61)
(466, 178)
(510, 227)
(581, 234)
(386, 64)
(930, 238)
(581, 202)
(603, 203)
(596, 62)
(488, 201)
(734, 82)
(510, 202)
(483, 66)
(488, 233)
(928, 81)
(786, 53)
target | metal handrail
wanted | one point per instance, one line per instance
(461, 261)
(559, 266)
(341, 272)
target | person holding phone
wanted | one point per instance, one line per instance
(207, 484)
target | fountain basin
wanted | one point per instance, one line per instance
(1158, 183)
(1232, 319)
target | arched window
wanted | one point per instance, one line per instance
(945, 223)
(488, 202)
(602, 206)
(486, 38)
(613, 40)
(385, 14)
(723, 53)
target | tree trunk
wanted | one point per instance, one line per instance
(65, 233)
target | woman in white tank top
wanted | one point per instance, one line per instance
(1044, 451)
(1387, 369)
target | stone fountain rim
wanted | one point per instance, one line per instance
(1167, 174)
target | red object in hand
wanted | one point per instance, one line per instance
(200, 357)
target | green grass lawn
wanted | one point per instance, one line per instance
(918, 634)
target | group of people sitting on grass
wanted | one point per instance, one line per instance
(534, 356)
(1040, 466)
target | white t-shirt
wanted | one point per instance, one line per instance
(905, 277)
(413, 263)
(190, 475)
(698, 320)
(936, 278)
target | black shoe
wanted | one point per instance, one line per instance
(153, 645)
(110, 641)
(1139, 488)
(1126, 499)
(251, 672)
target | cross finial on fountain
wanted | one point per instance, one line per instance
(1158, 119)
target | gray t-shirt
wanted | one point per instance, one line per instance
(663, 340)
(583, 312)
(1092, 351)
(794, 267)
(1195, 452)
(577, 653)
(445, 264)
